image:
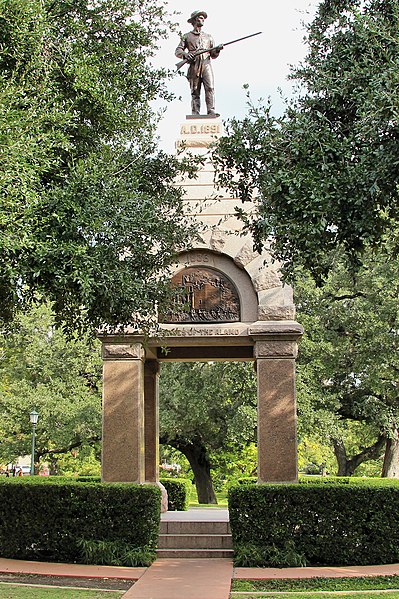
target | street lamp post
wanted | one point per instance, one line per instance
(34, 417)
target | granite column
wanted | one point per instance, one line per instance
(277, 434)
(123, 413)
(151, 420)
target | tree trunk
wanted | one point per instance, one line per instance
(198, 458)
(347, 466)
(53, 466)
(199, 462)
(390, 468)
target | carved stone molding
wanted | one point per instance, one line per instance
(133, 351)
(276, 330)
(275, 349)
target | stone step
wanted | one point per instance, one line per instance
(195, 541)
(195, 528)
(194, 553)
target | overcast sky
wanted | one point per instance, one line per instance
(262, 61)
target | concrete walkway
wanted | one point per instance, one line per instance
(187, 579)
(184, 579)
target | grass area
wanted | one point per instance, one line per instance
(320, 595)
(221, 497)
(363, 583)
(11, 591)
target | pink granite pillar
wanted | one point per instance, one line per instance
(151, 420)
(277, 434)
(123, 413)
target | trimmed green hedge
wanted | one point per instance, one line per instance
(349, 480)
(178, 493)
(329, 524)
(178, 489)
(44, 520)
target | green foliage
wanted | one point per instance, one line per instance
(82, 462)
(66, 513)
(315, 455)
(208, 412)
(348, 363)
(325, 174)
(268, 556)
(114, 553)
(87, 204)
(58, 377)
(318, 583)
(350, 480)
(216, 402)
(250, 480)
(178, 493)
(326, 524)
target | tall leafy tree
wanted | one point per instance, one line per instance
(60, 378)
(89, 217)
(206, 410)
(348, 364)
(326, 173)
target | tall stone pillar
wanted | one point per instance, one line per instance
(151, 420)
(123, 413)
(277, 441)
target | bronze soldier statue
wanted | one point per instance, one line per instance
(200, 71)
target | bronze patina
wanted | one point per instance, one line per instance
(200, 72)
(207, 296)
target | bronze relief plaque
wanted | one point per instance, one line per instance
(207, 296)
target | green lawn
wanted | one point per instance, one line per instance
(221, 498)
(320, 595)
(362, 583)
(10, 591)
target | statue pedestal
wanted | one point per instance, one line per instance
(202, 116)
(199, 131)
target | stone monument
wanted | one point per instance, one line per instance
(238, 310)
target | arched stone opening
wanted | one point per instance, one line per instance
(131, 371)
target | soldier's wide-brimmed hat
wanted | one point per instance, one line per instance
(195, 14)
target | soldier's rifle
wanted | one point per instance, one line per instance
(180, 64)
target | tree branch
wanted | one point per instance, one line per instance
(67, 448)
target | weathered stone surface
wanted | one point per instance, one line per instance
(275, 349)
(277, 444)
(123, 352)
(269, 279)
(123, 421)
(276, 312)
(164, 498)
(246, 254)
(218, 240)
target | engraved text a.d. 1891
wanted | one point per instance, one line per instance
(207, 296)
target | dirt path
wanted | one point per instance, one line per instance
(112, 584)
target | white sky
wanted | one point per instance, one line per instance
(262, 61)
